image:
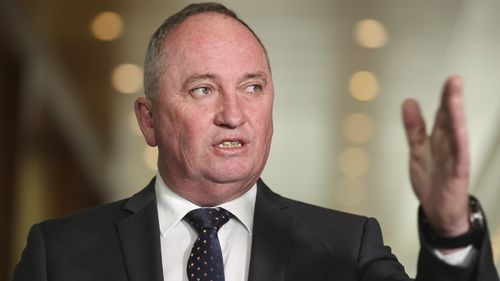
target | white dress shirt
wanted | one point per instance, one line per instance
(177, 236)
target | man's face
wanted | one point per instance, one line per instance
(213, 115)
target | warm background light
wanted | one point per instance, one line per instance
(53, 57)
(495, 241)
(364, 86)
(127, 78)
(107, 26)
(358, 128)
(133, 125)
(353, 162)
(150, 157)
(351, 192)
(370, 33)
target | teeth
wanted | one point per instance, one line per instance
(229, 144)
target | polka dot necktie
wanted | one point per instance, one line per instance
(205, 262)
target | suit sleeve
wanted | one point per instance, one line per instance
(32, 265)
(375, 261)
(431, 268)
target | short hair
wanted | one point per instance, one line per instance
(155, 59)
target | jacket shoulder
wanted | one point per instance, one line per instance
(94, 217)
(102, 217)
(325, 222)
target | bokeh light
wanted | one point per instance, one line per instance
(358, 128)
(107, 26)
(351, 192)
(127, 78)
(364, 86)
(353, 162)
(371, 33)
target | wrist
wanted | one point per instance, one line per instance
(469, 233)
(453, 229)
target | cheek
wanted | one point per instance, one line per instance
(194, 130)
(169, 130)
(264, 120)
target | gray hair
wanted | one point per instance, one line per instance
(155, 59)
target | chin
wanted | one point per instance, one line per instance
(232, 177)
(233, 171)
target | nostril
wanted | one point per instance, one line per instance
(230, 118)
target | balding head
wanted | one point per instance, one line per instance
(156, 61)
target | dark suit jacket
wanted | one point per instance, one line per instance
(291, 241)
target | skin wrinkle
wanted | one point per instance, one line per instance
(217, 52)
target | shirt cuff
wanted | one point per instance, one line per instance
(460, 258)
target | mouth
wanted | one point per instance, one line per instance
(230, 144)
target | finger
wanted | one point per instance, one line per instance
(442, 124)
(455, 107)
(414, 123)
(449, 135)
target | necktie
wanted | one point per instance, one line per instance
(205, 262)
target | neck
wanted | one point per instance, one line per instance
(207, 193)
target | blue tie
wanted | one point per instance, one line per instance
(205, 262)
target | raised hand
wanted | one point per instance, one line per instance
(439, 163)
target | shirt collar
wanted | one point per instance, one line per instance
(172, 207)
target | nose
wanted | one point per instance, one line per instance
(231, 113)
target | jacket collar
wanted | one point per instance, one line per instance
(140, 238)
(272, 239)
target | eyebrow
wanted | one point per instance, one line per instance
(255, 75)
(199, 77)
(259, 75)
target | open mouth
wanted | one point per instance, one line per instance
(230, 144)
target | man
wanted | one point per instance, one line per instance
(208, 108)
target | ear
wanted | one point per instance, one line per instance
(144, 113)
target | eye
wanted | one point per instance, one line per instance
(254, 88)
(201, 91)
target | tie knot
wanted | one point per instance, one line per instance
(207, 218)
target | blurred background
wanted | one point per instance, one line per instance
(71, 70)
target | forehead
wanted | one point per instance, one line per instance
(212, 40)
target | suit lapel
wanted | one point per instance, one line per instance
(140, 238)
(271, 238)
(271, 242)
